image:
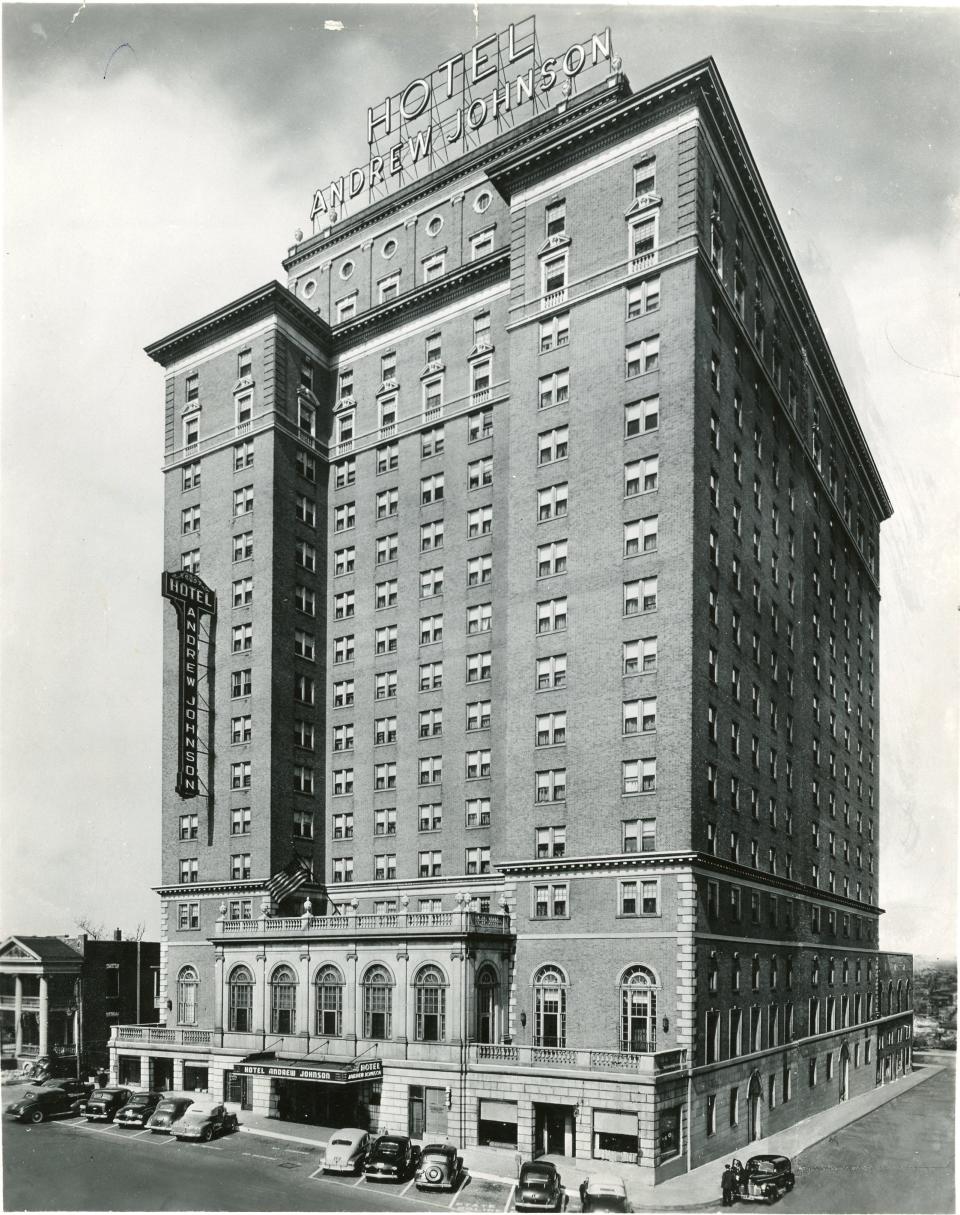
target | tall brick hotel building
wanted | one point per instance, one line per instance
(526, 791)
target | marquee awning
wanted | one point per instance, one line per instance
(277, 1067)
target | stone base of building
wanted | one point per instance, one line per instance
(663, 1123)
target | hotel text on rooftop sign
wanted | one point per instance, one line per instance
(464, 101)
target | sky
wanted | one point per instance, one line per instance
(158, 159)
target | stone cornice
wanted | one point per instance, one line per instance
(270, 299)
(698, 862)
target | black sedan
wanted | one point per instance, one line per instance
(80, 1090)
(39, 1104)
(440, 1167)
(539, 1187)
(167, 1114)
(104, 1104)
(138, 1109)
(392, 1158)
(765, 1178)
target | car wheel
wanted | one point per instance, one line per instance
(36, 1117)
(206, 1134)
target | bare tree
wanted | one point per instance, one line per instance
(86, 924)
(137, 934)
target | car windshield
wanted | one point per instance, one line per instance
(536, 1181)
(102, 1094)
(341, 1142)
(435, 1158)
(168, 1107)
(141, 1099)
(764, 1166)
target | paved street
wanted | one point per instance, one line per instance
(898, 1158)
(71, 1165)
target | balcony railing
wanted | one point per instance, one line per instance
(552, 298)
(454, 922)
(579, 1058)
(161, 1035)
(27, 1003)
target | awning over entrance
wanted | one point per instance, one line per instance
(350, 1072)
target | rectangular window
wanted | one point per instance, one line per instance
(481, 243)
(640, 536)
(479, 522)
(551, 672)
(189, 520)
(551, 502)
(387, 548)
(643, 297)
(555, 332)
(480, 473)
(431, 629)
(640, 716)
(243, 455)
(241, 683)
(551, 729)
(550, 901)
(643, 243)
(479, 425)
(639, 897)
(431, 489)
(477, 811)
(554, 389)
(479, 618)
(641, 476)
(241, 730)
(551, 558)
(189, 826)
(343, 869)
(343, 826)
(190, 561)
(552, 615)
(191, 475)
(642, 356)
(645, 176)
(433, 267)
(345, 516)
(430, 864)
(640, 835)
(641, 416)
(241, 638)
(385, 594)
(639, 775)
(553, 278)
(479, 667)
(243, 500)
(243, 546)
(240, 866)
(552, 445)
(640, 596)
(551, 785)
(430, 816)
(551, 841)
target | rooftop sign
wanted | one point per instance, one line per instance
(464, 101)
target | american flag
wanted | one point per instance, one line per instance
(290, 878)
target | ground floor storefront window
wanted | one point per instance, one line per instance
(195, 1078)
(128, 1069)
(615, 1136)
(670, 1133)
(329, 1104)
(497, 1123)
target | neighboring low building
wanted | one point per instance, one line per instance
(60, 997)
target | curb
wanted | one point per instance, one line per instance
(255, 1130)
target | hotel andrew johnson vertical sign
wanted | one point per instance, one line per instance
(192, 599)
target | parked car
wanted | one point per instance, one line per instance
(39, 1104)
(205, 1119)
(539, 1187)
(346, 1151)
(603, 1192)
(45, 1066)
(440, 1168)
(104, 1104)
(392, 1158)
(138, 1109)
(168, 1113)
(765, 1178)
(80, 1090)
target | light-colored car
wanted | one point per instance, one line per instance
(168, 1113)
(603, 1192)
(203, 1120)
(346, 1151)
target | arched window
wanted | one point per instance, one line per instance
(899, 995)
(488, 1004)
(283, 1001)
(378, 1003)
(789, 974)
(774, 973)
(187, 987)
(908, 1003)
(755, 972)
(735, 976)
(329, 986)
(638, 1010)
(430, 988)
(550, 1007)
(713, 976)
(846, 970)
(240, 1000)
(815, 973)
(831, 971)
(890, 996)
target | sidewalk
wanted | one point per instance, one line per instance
(697, 1189)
